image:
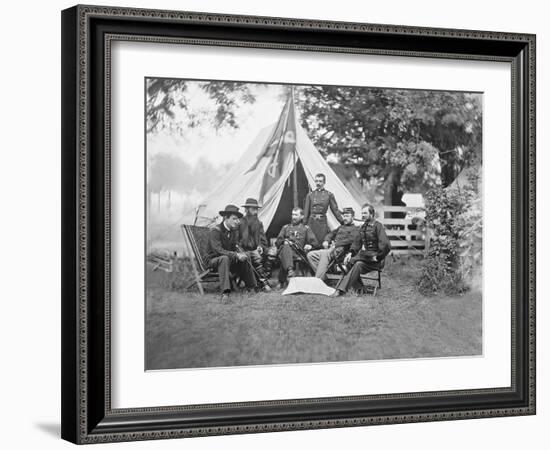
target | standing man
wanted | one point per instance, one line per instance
(253, 240)
(223, 255)
(297, 233)
(335, 244)
(316, 206)
(367, 252)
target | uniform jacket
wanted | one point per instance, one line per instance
(343, 236)
(371, 241)
(252, 233)
(318, 202)
(301, 234)
(222, 242)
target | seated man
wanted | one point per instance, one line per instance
(367, 252)
(299, 234)
(223, 255)
(336, 243)
(253, 241)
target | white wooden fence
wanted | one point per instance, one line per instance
(406, 238)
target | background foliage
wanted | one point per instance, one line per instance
(412, 140)
(168, 97)
(454, 220)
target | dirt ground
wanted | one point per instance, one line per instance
(187, 330)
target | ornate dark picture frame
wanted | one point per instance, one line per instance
(87, 34)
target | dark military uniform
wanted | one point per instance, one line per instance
(315, 211)
(300, 234)
(222, 257)
(252, 236)
(369, 249)
(342, 237)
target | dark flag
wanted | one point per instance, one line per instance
(281, 144)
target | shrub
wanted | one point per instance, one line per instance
(454, 218)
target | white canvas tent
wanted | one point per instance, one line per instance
(241, 183)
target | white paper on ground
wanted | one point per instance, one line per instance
(307, 285)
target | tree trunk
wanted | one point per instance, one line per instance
(448, 172)
(392, 194)
(390, 185)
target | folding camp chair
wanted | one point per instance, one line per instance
(365, 279)
(197, 241)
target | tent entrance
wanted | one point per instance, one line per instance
(284, 209)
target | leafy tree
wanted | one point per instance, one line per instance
(168, 97)
(413, 140)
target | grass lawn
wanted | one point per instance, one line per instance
(185, 329)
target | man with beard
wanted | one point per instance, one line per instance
(299, 234)
(367, 252)
(223, 254)
(316, 206)
(253, 240)
(335, 244)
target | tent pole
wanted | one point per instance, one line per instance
(295, 182)
(295, 172)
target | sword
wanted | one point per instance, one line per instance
(259, 278)
(299, 250)
(339, 260)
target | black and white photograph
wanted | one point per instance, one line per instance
(298, 224)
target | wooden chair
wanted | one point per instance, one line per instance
(196, 238)
(367, 277)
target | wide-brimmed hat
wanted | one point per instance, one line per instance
(231, 209)
(251, 202)
(349, 210)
